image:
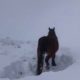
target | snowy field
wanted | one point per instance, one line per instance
(18, 62)
(23, 22)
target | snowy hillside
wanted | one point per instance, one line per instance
(24, 22)
(18, 61)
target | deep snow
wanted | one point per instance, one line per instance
(24, 21)
(18, 61)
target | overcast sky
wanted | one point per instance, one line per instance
(30, 19)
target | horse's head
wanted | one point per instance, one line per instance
(51, 32)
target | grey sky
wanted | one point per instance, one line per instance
(30, 19)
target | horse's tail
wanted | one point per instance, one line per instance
(40, 58)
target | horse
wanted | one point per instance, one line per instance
(48, 45)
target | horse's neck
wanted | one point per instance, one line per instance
(51, 36)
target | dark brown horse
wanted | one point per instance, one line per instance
(47, 44)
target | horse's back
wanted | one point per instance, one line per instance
(43, 43)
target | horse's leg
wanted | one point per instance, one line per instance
(47, 61)
(40, 63)
(53, 60)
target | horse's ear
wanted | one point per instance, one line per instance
(54, 28)
(49, 28)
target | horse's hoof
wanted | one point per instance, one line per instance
(47, 67)
(38, 73)
(53, 64)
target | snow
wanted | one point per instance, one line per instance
(19, 63)
(22, 22)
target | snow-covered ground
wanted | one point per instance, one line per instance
(18, 62)
(24, 21)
